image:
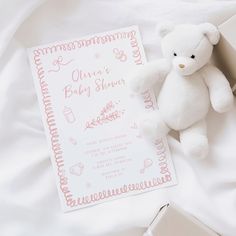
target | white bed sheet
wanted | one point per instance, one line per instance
(29, 203)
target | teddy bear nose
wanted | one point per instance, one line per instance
(181, 66)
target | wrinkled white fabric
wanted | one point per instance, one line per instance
(29, 203)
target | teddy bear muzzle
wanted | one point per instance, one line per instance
(184, 65)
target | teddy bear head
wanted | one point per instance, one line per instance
(188, 47)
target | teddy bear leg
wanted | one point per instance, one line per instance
(194, 140)
(153, 126)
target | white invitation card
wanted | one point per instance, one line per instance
(90, 114)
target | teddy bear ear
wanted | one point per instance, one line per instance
(164, 28)
(211, 32)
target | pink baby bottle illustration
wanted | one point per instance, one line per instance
(69, 115)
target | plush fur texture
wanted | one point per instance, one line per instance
(186, 85)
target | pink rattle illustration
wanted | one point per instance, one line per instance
(77, 169)
(146, 164)
(69, 115)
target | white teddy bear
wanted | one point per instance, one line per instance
(186, 84)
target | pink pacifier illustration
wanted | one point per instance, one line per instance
(69, 115)
(77, 169)
(120, 55)
(146, 164)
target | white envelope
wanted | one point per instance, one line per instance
(173, 221)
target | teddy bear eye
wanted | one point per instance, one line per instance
(175, 54)
(193, 56)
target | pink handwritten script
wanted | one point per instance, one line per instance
(58, 63)
(70, 91)
(80, 74)
(100, 85)
(86, 82)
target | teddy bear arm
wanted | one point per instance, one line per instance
(221, 95)
(146, 76)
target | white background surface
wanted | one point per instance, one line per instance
(29, 203)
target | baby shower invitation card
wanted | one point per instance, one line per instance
(90, 119)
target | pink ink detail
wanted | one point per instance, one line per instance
(58, 63)
(51, 120)
(101, 84)
(108, 107)
(97, 55)
(77, 169)
(120, 54)
(149, 104)
(161, 153)
(100, 120)
(106, 115)
(73, 141)
(136, 52)
(88, 185)
(69, 115)
(146, 164)
(134, 126)
(80, 75)
(81, 90)
(52, 127)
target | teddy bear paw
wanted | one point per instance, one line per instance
(153, 128)
(148, 129)
(224, 103)
(137, 85)
(196, 146)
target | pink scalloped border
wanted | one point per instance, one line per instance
(51, 122)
